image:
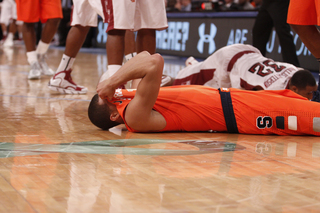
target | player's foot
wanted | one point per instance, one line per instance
(63, 83)
(8, 43)
(35, 71)
(166, 81)
(190, 61)
(45, 69)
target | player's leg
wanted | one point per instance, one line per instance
(75, 40)
(12, 29)
(47, 34)
(129, 45)
(84, 16)
(115, 50)
(261, 30)
(29, 38)
(146, 40)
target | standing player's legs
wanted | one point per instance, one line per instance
(84, 16)
(36, 54)
(129, 45)
(8, 20)
(115, 50)
(144, 16)
(30, 12)
(29, 38)
(146, 40)
(12, 29)
(261, 30)
(278, 12)
(5, 17)
(75, 39)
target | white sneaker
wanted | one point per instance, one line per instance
(63, 83)
(191, 60)
(8, 43)
(35, 71)
(45, 69)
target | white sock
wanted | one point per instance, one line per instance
(32, 57)
(130, 55)
(112, 69)
(66, 63)
(10, 36)
(42, 48)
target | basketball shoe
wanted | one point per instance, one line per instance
(191, 60)
(63, 83)
(8, 42)
(35, 71)
(45, 69)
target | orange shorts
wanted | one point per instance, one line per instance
(32, 11)
(304, 12)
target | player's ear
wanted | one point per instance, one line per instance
(293, 88)
(114, 116)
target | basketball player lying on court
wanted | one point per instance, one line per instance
(244, 67)
(150, 108)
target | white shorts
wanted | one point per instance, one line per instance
(85, 12)
(136, 15)
(8, 11)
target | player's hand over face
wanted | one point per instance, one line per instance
(104, 90)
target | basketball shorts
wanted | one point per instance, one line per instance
(85, 12)
(8, 11)
(304, 12)
(32, 11)
(136, 15)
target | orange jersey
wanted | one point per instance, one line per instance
(199, 108)
(32, 11)
(304, 12)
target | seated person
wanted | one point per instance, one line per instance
(150, 108)
(242, 66)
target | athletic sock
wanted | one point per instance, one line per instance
(42, 48)
(112, 69)
(10, 36)
(129, 56)
(32, 57)
(66, 63)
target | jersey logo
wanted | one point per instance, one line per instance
(264, 122)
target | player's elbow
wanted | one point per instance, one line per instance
(156, 63)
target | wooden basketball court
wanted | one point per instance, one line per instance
(52, 159)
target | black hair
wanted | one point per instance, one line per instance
(99, 114)
(303, 78)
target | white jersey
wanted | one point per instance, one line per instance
(238, 66)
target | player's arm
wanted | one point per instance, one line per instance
(139, 114)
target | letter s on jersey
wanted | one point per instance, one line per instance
(264, 122)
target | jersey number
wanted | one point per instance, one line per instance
(265, 68)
